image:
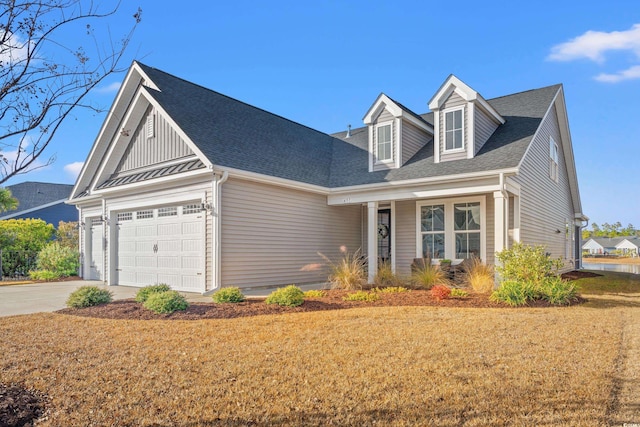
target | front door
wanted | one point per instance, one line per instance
(384, 235)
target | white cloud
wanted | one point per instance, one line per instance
(73, 169)
(113, 87)
(594, 44)
(13, 50)
(628, 74)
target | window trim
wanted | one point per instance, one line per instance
(554, 159)
(444, 130)
(449, 228)
(377, 160)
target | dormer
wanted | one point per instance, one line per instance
(395, 134)
(463, 121)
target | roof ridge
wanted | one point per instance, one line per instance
(234, 99)
(524, 91)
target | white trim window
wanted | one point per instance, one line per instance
(432, 231)
(553, 159)
(451, 228)
(466, 223)
(454, 129)
(384, 147)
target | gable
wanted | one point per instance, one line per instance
(162, 144)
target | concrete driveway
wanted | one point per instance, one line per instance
(52, 296)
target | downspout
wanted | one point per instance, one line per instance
(216, 211)
(105, 259)
(505, 194)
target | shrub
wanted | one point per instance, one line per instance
(58, 259)
(291, 296)
(479, 276)
(228, 295)
(459, 293)
(440, 292)
(362, 296)
(144, 293)
(21, 240)
(385, 276)
(67, 234)
(314, 293)
(515, 293)
(349, 273)
(87, 296)
(45, 275)
(427, 276)
(524, 263)
(165, 302)
(390, 290)
(558, 291)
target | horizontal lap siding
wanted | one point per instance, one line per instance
(545, 205)
(405, 236)
(413, 139)
(272, 235)
(484, 129)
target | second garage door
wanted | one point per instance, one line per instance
(162, 245)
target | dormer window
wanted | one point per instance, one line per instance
(454, 129)
(383, 142)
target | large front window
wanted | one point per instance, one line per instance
(383, 142)
(453, 130)
(451, 228)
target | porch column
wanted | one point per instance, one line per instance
(372, 239)
(516, 219)
(499, 225)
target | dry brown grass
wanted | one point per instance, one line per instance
(479, 276)
(390, 365)
(612, 260)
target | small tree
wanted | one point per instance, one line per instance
(7, 201)
(43, 79)
(67, 234)
(21, 240)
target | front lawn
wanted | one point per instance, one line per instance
(390, 365)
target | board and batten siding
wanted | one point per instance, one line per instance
(484, 128)
(272, 235)
(164, 146)
(385, 116)
(454, 100)
(545, 205)
(413, 139)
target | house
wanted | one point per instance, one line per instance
(189, 187)
(42, 200)
(623, 245)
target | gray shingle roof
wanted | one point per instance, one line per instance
(611, 242)
(237, 135)
(33, 194)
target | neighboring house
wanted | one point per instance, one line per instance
(612, 245)
(192, 188)
(42, 200)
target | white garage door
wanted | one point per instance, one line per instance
(162, 245)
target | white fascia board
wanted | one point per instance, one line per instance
(419, 181)
(567, 148)
(382, 102)
(150, 185)
(272, 180)
(535, 135)
(410, 194)
(451, 84)
(196, 192)
(422, 125)
(109, 126)
(489, 109)
(118, 143)
(36, 208)
(512, 186)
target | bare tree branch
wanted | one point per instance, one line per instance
(42, 80)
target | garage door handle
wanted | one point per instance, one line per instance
(155, 248)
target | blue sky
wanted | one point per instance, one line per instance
(323, 64)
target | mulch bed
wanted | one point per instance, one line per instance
(19, 406)
(333, 300)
